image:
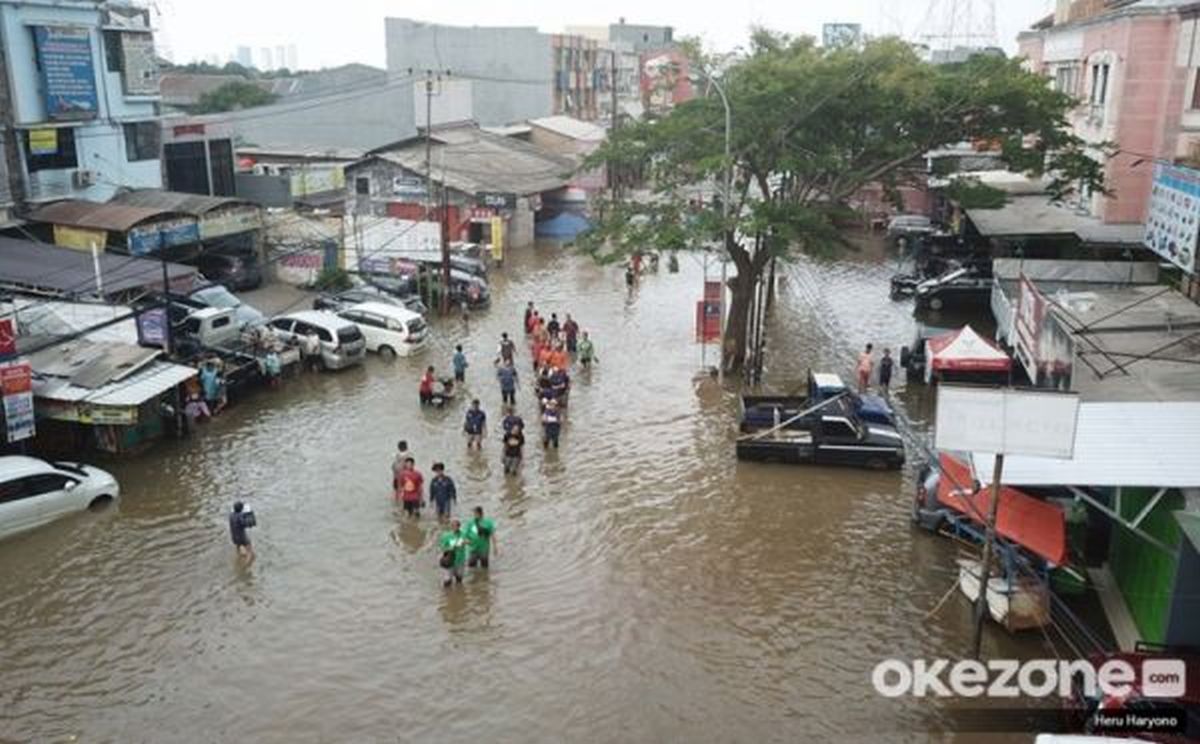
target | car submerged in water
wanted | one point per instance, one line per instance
(34, 492)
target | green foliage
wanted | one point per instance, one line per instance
(969, 193)
(811, 127)
(333, 280)
(233, 96)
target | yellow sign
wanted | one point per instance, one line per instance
(497, 239)
(43, 141)
(81, 239)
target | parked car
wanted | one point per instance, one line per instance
(233, 271)
(387, 328)
(340, 300)
(764, 411)
(342, 342)
(964, 288)
(215, 295)
(909, 225)
(34, 492)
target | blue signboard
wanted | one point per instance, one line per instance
(150, 238)
(152, 328)
(64, 55)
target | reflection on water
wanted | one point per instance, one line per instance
(648, 587)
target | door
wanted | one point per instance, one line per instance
(54, 493)
(839, 443)
(32, 501)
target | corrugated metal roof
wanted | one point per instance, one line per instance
(1149, 445)
(144, 385)
(196, 205)
(28, 265)
(486, 162)
(100, 215)
(1036, 215)
(569, 126)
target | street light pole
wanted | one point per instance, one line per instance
(725, 199)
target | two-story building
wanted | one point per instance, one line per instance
(1132, 65)
(79, 99)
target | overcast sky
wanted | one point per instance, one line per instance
(328, 34)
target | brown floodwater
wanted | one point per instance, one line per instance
(648, 587)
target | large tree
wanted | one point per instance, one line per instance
(811, 127)
(233, 96)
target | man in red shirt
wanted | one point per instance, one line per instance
(409, 485)
(426, 388)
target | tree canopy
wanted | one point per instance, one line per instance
(811, 127)
(232, 96)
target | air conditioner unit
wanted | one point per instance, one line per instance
(81, 179)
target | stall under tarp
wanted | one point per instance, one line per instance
(964, 351)
(565, 226)
(1036, 525)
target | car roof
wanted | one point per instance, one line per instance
(19, 466)
(317, 317)
(396, 312)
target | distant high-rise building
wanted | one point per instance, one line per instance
(245, 56)
(841, 34)
(281, 56)
(264, 59)
(293, 58)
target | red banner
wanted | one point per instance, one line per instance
(708, 321)
(16, 378)
(8, 338)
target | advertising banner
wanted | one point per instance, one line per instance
(1173, 219)
(1031, 309)
(1044, 346)
(141, 67)
(497, 239)
(708, 321)
(496, 200)
(64, 56)
(16, 382)
(43, 141)
(1006, 421)
(8, 338)
(150, 238)
(318, 180)
(152, 328)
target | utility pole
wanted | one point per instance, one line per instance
(612, 176)
(985, 564)
(428, 141)
(445, 230)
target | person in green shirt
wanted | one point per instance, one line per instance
(587, 351)
(481, 534)
(454, 552)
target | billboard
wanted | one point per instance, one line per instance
(16, 382)
(1173, 218)
(169, 233)
(141, 75)
(1006, 421)
(1044, 346)
(64, 56)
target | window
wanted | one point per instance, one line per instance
(62, 157)
(838, 428)
(362, 186)
(324, 334)
(1100, 73)
(112, 51)
(282, 324)
(1066, 80)
(40, 485)
(142, 141)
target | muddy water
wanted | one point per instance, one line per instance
(647, 588)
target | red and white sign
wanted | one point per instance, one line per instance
(1031, 315)
(708, 321)
(16, 384)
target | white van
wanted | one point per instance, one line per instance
(34, 492)
(342, 343)
(389, 329)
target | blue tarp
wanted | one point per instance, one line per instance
(566, 225)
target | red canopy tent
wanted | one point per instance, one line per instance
(1036, 525)
(964, 350)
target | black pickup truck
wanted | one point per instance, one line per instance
(834, 439)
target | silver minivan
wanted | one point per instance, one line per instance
(342, 343)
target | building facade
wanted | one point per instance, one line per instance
(510, 68)
(79, 99)
(1133, 70)
(581, 78)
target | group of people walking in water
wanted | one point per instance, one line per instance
(554, 344)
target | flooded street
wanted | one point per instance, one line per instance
(648, 587)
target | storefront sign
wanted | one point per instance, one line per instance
(1044, 347)
(64, 56)
(1173, 221)
(497, 239)
(496, 200)
(79, 238)
(106, 415)
(8, 338)
(16, 382)
(409, 186)
(140, 77)
(230, 222)
(481, 214)
(150, 238)
(1031, 309)
(152, 328)
(43, 141)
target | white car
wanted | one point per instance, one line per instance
(342, 343)
(389, 329)
(34, 492)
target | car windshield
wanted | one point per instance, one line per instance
(349, 335)
(216, 296)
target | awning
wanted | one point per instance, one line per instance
(1036, 525)
(1150, 445)
(964, 350)
(134, 390)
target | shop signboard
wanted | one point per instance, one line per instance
(1044, 346)
(16, 382)
(8, 338)
(496, 200)
(43, 141)
(140, 76)
(79, 238)
(1031, 310)
(1006, 421)
(497, 239)
(64, 56)
(152, 328)
(224, 222)
(412, 187)
(1173, 219)
(148, 239)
